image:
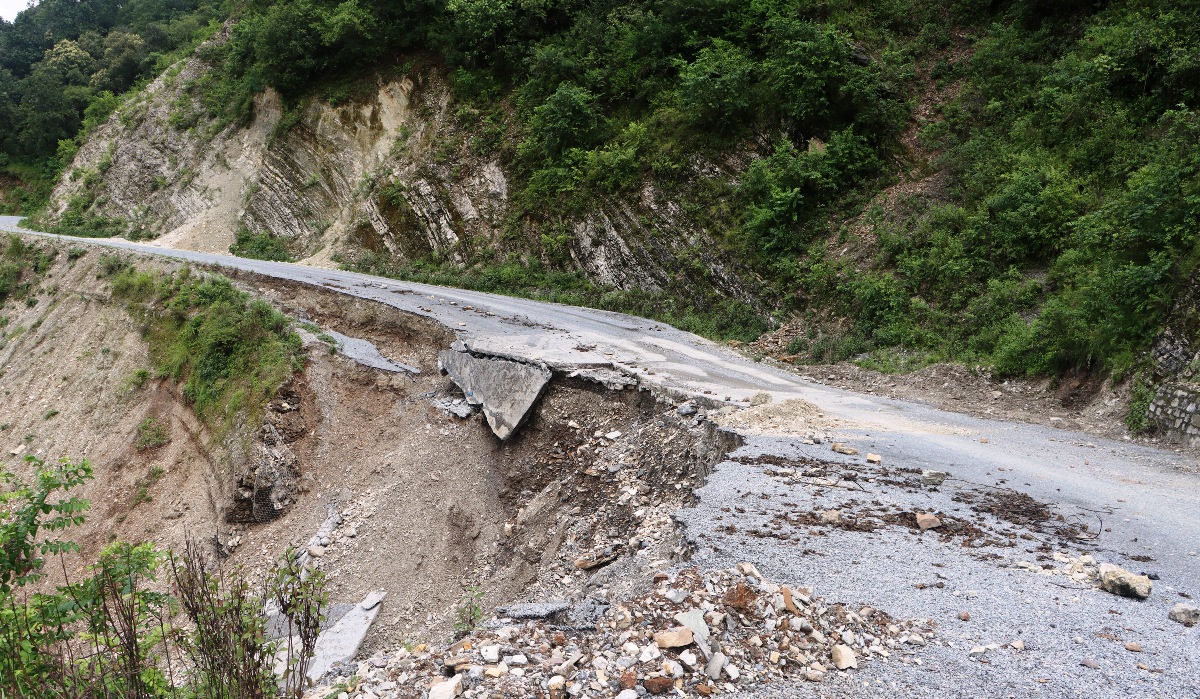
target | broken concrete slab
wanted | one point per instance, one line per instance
(532, 610)
(505, 389)
(341, 641)
(361, 351)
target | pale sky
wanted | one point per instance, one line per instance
(10, 8)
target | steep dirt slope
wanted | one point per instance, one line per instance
(70, 389)
(432, 505)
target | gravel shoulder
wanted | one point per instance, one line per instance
(746, 507)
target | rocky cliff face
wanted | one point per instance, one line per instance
(393, 173)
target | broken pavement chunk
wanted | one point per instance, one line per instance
(505, 389)
(533, 610)
(841, 448)
(340, 642)
(934, 478)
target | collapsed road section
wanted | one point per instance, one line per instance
(505, 389)
(598, 497)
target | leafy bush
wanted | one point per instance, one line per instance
(259, 246)
(31, 509)
(110, 635)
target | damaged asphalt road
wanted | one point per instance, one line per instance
(1130, 505)
(1010, 619)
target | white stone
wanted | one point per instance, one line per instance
(447, 689)
(843, 657)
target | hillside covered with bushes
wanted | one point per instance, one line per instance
(1011, 184)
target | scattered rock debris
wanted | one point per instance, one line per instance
(695, 634)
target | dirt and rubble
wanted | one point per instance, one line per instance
(433, 505)
(696, 634)
(577, 503)
(609, 503)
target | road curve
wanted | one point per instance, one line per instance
(1147, 500)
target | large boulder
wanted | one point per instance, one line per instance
(1119, 581)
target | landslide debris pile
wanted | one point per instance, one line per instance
(696, 634)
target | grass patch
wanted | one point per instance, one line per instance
(151, 434)
(328, 339)
(893, 361)
(230, 352)
(136, 379)
(21, 266)
(1141, 395)
(260, 246)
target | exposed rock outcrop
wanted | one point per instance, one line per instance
(394, 175)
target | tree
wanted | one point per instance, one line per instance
(716, 86)
(568, 119)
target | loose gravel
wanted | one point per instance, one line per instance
(1060, 622)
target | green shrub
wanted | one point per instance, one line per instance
(230, 352)
(260, 246)
(151, 434)
(1141, 395)
(110, 635)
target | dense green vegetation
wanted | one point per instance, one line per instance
(230, 352)
(259, 246)
(1074, 199)
(1057, 138)
(112, 633)
(1066, 148)
(64, 65)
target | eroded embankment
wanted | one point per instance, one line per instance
(572, 516)
(577, 506)
(578, 500)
